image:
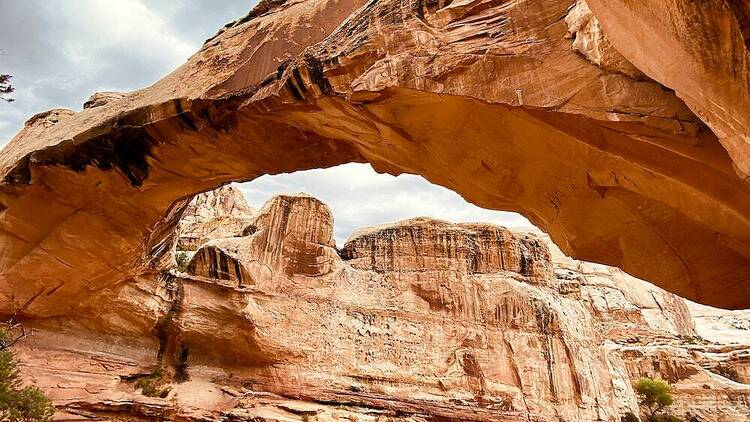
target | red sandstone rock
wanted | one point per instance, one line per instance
(215, 214)
(529, 106)
(417, 319)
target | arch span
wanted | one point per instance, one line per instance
(486, 98)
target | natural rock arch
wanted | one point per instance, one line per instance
(495, 101)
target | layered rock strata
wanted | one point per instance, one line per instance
(418, 320)
(621, 129)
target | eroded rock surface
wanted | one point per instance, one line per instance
(211, 215)
(708, 67)
(590, 41)
(528, 106)
(446, 248)
(291, 235)
(417, 320)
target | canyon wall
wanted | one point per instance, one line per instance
(619, 128)
(415, 321)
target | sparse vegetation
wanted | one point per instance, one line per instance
(150, 385)
(727, 372)
(691, 339)
(654, 397)
(18, 403)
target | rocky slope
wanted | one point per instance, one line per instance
(619, 127)
(420, 320)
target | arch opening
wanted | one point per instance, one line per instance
(601, 196)
(359, 197)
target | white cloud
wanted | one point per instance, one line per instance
(61, 51)
(101, 25)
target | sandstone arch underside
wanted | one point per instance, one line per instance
(517, 105)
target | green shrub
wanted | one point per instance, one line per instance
(654, 396)
(18, 403)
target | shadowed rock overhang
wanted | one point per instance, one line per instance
(621, 131)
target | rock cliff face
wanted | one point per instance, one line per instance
(421, 245)
(619, 127)
(418, 320)
(215, 214)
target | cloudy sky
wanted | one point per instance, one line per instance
(360, 197)
(61, 51)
